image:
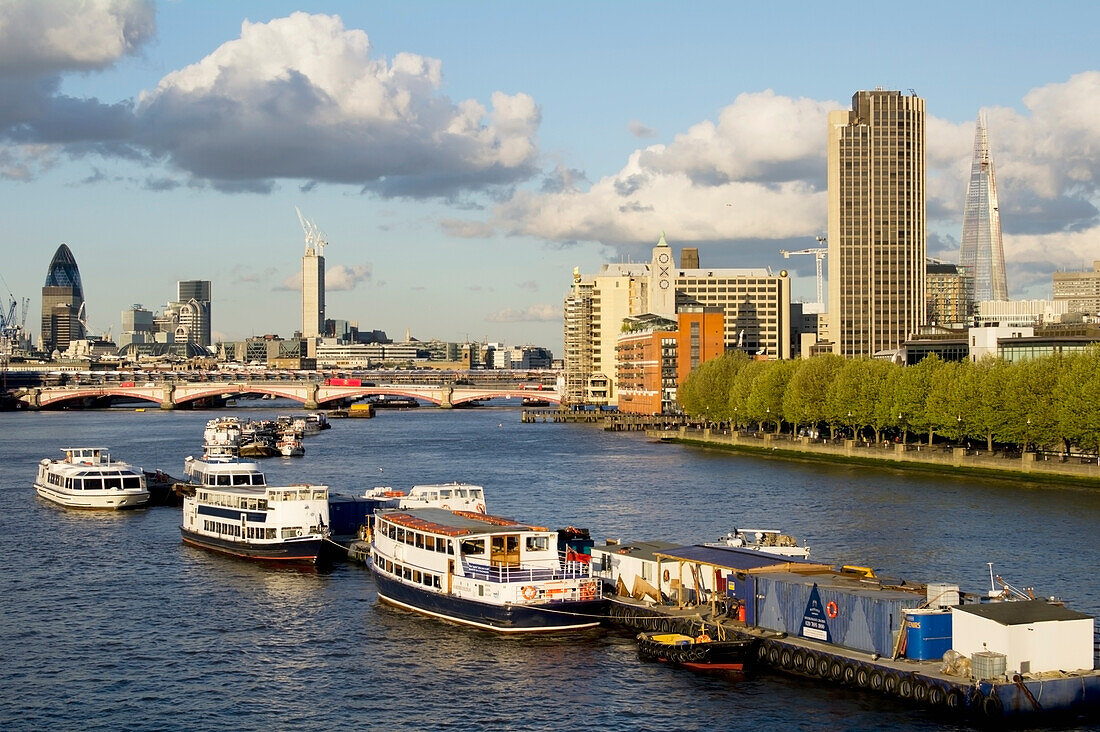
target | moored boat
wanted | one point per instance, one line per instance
(229, 508)
(699, 652)
(485, 571)
(769, 541)
(88, 478)
(290, 445)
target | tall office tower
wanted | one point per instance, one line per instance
(313, 281)
(62, 300)
(194, 297)
(876, 222)
(982, 252)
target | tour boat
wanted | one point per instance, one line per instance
(481, 570)
(229, 508)
(449, 496)
(88, 478)
(769, 541)
(699, 652)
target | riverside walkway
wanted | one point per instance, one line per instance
(1031, 464)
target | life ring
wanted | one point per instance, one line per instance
(666, 575)
(702, 638)
(529, 592)
(831, 609)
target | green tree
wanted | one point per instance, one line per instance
(880, 387)
(849, 403)
(1029, 402)
(1077, 400)
(741, 391)
(911, 396)
(705, 392)
(767, 392)
(808, 389)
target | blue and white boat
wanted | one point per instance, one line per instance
(480, 570)
(229, 508)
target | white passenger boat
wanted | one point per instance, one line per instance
(229, 508)
(481, 570)
(290, 445)
(449, 496)
(88, 478)
(769, 541)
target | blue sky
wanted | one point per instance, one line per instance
(464, 157)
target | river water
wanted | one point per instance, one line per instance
(110, 622)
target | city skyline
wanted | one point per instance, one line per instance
(461, 166)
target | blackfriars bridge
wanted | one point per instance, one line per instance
(311, 394)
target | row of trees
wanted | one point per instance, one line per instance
(1049, 402)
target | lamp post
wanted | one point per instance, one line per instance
(901, 424)
(768, 417)
(851, 427)
(1027, 435)
(959, 427)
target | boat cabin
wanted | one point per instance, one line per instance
(86, 455)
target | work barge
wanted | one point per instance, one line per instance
(1002, 656)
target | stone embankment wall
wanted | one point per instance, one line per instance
(1029, 463)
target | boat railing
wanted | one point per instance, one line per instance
(545, 571)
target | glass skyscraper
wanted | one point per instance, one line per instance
(62, 300)
(982, 252)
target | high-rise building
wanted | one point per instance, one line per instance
(982, 252)
(1081, 290)
(313, 281)
(193, 308)
(876, 174)
(62, 302)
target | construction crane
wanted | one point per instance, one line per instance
(315, 238)
(819, 254)
(10, 332)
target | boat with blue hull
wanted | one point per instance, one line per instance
(229, 508)
(484, 571)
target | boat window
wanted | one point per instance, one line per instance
(257, 479)
(223, 480)
(319, 494)
(389, 566)
(473, 547)
(538, 543)
(400, 534)
(409, 537)
(93, 484)
(241, 480)
(435, 582)
(429, 543)
(475, 493)
(461, 492)
(416, 576)
(131, 481)
(427, 579)
(419, 541)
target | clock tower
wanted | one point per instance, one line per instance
(662, 280)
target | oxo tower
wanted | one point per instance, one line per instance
(982, 253)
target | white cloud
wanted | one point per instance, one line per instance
(531, 314)
(343, 277)
(302, 97)
(43, 37)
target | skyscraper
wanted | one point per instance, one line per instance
(876, 222)
(313, 281)
(193, 300)
(62, 300)
(982, 252)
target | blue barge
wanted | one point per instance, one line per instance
(929, 644)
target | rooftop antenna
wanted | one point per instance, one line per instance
(315, 238)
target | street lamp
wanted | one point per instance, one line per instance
(1027, 435)
(901, 423)
(768, 417)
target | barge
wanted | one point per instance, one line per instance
(995, 656)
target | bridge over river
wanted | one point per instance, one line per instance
(311, 394)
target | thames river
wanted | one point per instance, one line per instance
(111, 623)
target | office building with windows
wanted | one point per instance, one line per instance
(876, 211)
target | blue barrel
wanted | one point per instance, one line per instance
(928, 634)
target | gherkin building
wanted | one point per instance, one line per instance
(62, 302)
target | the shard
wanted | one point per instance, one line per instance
(982, 252)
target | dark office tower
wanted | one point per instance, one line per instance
(193, 297)
(982, 252)
(876, 222)
(62, 301)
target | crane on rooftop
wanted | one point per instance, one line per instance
(819, 254)
(315, 238)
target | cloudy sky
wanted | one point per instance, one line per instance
(463, 157)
